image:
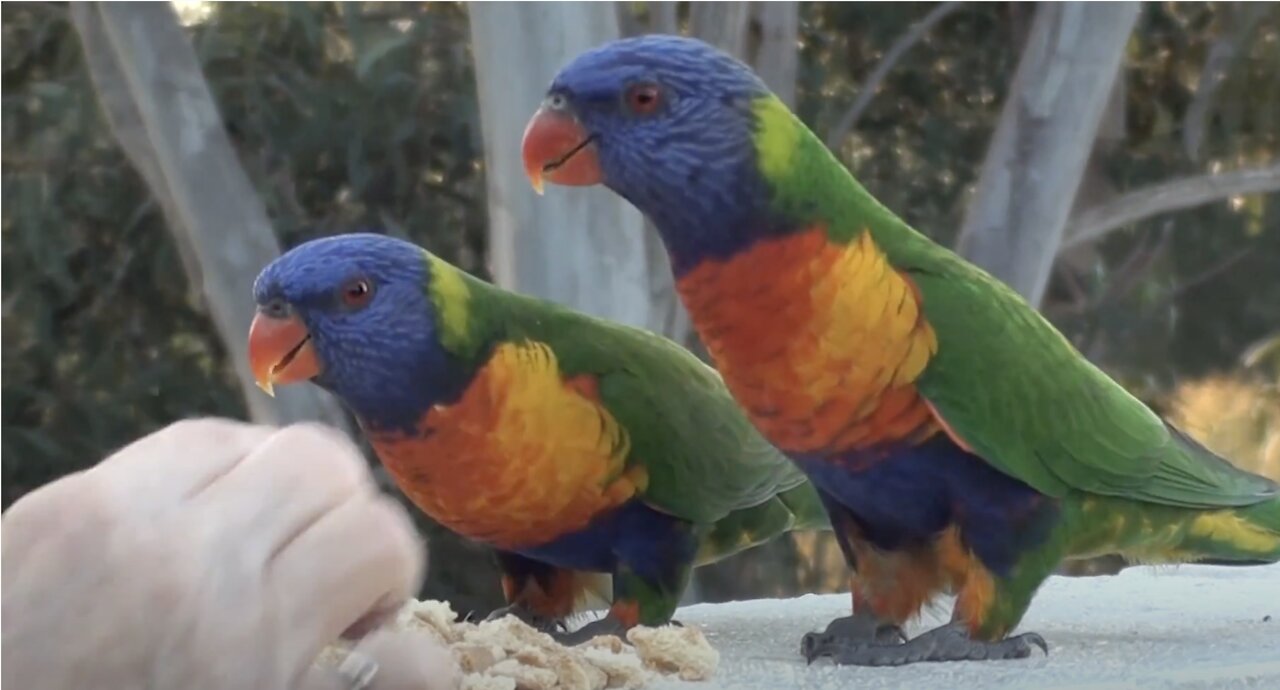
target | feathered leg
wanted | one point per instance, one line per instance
(865, 625)
(987, 608)
(537, 593)
(648, 581)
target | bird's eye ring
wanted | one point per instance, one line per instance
(644, 99)
(357, 293)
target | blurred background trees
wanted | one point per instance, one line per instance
(1163, 263)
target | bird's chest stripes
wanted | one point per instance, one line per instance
(821, 343)
(522, 457)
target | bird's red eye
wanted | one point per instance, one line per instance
(644, 99)
(357, 293)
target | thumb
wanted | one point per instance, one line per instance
(405, 660)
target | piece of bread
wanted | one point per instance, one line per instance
(507, 654)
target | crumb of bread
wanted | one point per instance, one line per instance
(682, 651)
(435, 617)
(610, 642)
(475, 657)
(526, 677)
(477, 681)
(508, 654)
(624, 670)
(577, 673)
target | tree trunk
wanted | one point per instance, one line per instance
(776, 57)
(584, 248)
(664, 17)
(722, 24)
(1096, 186)
(153, 92)
(1046, 131)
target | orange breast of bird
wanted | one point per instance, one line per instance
(524, 456)
(821, 343)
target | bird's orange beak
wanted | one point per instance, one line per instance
(280, 351)
(558, 149)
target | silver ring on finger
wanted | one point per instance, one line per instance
(358, 670)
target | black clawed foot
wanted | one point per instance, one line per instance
(604, 626)
(948, 643)
(858, 629)
(534, 620)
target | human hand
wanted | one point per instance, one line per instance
(211, 554)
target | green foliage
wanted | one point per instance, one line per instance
(99, 345)
(353, 115)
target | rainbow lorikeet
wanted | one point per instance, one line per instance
(959, 441)
(570, 444)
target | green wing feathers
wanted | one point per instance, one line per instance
(1013, 388)
(705, 459)
(795, 509)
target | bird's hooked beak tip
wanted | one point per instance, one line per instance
(557, 148)
(280, 352)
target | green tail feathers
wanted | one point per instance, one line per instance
(1247, 533)
(1239, 536)
(792, 510)
(807, 508)
(1145, 533)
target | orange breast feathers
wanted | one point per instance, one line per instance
(523, 457)
(819, 342)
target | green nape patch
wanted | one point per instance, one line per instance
(811, 185)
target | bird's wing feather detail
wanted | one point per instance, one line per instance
(1013, 389)
(702, 457)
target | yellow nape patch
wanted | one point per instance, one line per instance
(777, 137)
(1229, 528)
(523, 457)
(449, 293)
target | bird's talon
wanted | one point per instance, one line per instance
(809, 645)
(850, 631)
(604, 626)
(890, 634)
(948, 643)
(534, 620)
